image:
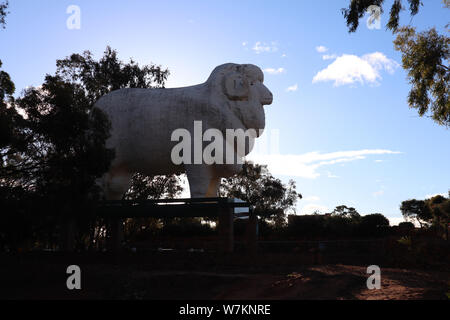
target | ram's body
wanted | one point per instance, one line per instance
(143, 120)
(141, 117)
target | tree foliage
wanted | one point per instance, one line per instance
(8, 116)
(342, 222)
(62, 137)
(152, 187)
(345, 212)
(65, 139)
(416, 210)
(358, 8)
(3, 12)
(406, 225)
(147, 187)
(52, 142)
(434, 211)
(267, 194)
(12, 136)
(109, 73)
(425, 56)
(371, 224)
(440, 211)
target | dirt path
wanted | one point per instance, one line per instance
(40, 280)
(341, 282)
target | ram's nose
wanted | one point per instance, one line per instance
(267, 98)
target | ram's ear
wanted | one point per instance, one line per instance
(236, 86)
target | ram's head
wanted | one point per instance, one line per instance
(240, 87)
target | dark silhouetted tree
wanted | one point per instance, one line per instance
(406, 225)
(109, 73)
(8, 115)
(146, 187)
(439, 207)
(375, 220)
(57, 148)
(3, 12)
(256, 185)
(429, 212)
(342, 221)
(152, 187)
(346, 212)
(374, 224)
(417, 210)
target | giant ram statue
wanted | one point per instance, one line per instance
(143, 122)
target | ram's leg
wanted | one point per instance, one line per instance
(117, 182)
(213, 187)
(202, 181)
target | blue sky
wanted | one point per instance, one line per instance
(346, 134)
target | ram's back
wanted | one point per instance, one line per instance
(142, 121)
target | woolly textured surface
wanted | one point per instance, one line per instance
(143, 121)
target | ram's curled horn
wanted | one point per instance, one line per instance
(236, 86)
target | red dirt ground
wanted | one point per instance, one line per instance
(208, 277)
(341, 282)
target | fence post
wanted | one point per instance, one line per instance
(115, 234)
(226, 232)
(252, 232)
(68, 234)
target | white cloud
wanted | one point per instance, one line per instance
(379, 61)
(244, 43)
(274, 71)
(350, 69)
(329, 56)
(260, 47)
(321, 49)
(284, 55)
(378, 160)
(292, 88)
(306, 165)
(312, 208)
